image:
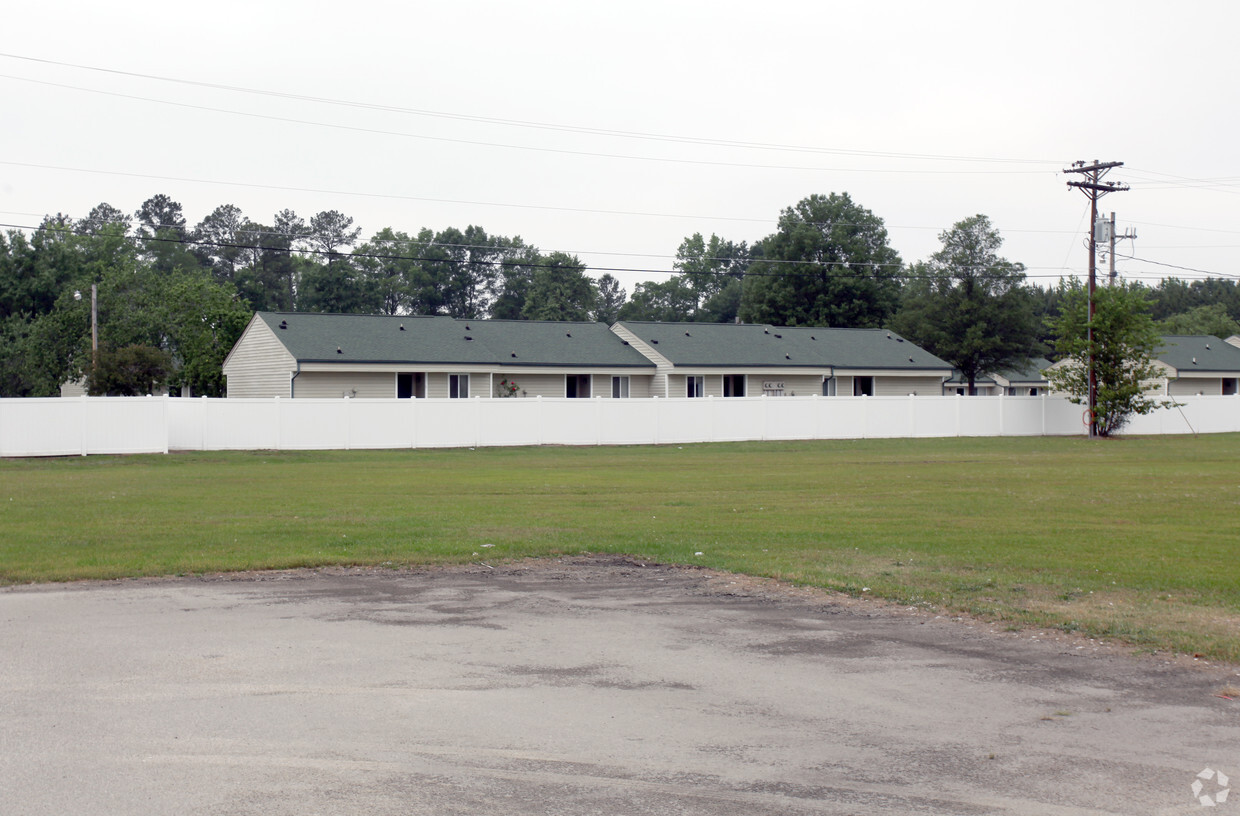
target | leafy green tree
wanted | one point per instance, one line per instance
(162, 233)
(221, 241)
(518, 263)
(386, 264)
(724, 306)
(130, 371)
(611, 297)
(672, 301)
(1211, 318)
(332, 283)
(202, 321)
(829, 264)
(560, 290)
(710, 266)
(1123, 347)
(104, 215)
(970, 306)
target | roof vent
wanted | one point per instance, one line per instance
(786, 357)
(338, 350)
(888, 335)
(910, 359)
(766, 331)
(1194, 361)
(899, 339)
(284, 324)
(402, 326)
(779, 337)
(688, 335)
(467, 337)
(468, 329)
(568, 334)
(812, 337)
(656, 342)
(626, 342)
(514, 354)
(1207, 346)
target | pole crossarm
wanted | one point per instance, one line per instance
(1103, 187)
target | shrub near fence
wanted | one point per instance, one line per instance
(86, 425)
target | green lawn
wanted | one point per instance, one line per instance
(1134, 538)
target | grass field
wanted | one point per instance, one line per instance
(1136, 539)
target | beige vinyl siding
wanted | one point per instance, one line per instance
(538, 385)
(903, 386)
(640, 386)
(795, 385)
(1188, 386)
(260, 365)
(337, 384)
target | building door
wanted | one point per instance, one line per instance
(410, 385)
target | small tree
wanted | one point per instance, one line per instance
(1124, 342)
(128, 372)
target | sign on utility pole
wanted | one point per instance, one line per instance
(1094, 188)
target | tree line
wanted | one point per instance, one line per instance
(174, 298)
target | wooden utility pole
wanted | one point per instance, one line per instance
(1094, 188)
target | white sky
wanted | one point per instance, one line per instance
(866, 89)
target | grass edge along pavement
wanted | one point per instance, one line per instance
(1135, 539)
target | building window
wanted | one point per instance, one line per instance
(734, 385)
(828, 386)
(620, 387)
(1231, 386)
(410, 386)
(458, 386)
(693, 386)
(863, 386)
(577, 386)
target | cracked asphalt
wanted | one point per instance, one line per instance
(576, 686)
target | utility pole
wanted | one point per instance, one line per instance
(1094, 188)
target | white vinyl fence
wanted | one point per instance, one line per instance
(86, 425)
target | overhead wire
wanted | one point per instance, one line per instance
(680, 139)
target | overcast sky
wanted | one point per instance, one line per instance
(615, 130)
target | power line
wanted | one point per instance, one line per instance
(393, 196)
(680, 139)
(530, 148)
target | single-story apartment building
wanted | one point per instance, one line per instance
(1197, 364)
(1022, 381)
(736, 360)
(298, 355)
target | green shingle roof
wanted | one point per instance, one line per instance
(336, 338)
(751, 345)
(1198, 353)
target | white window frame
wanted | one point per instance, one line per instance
(829, 386)
(695, 386)
(455, 391)
(731, 380)
(858, 391)
(620, 387)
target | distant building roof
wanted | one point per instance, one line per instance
(337, 338)
(746, 345)
(1198, 353)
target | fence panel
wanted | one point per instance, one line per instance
(78, 426)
